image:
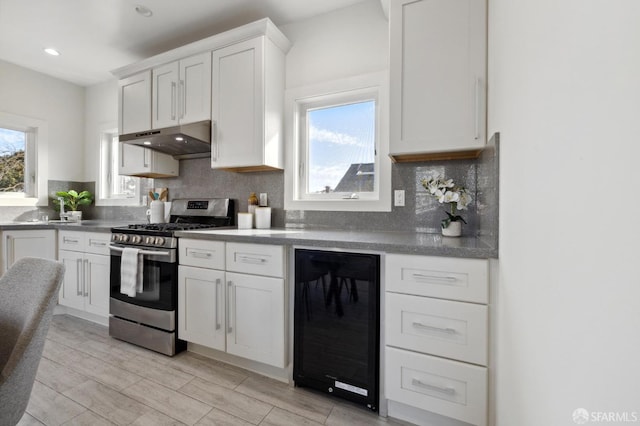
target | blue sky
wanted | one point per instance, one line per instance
(339, 136)
(11, 141)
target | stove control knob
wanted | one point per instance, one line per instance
(115, 238)
(124, 238)
(149, 240)
(136, 239)
(159, 241)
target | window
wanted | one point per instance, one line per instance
(337, 155)
(113, 188)
(22, 177)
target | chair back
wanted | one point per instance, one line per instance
(28, 295)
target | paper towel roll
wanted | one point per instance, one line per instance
(157, 211)
(263, 217)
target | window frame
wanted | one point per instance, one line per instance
(351, 90)
(104, 198)
(36, 166)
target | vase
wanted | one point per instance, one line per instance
(453, 230)
(76, 216)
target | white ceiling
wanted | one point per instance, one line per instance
(97, 36)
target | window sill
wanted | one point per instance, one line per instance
(19, 202)
(341, 205)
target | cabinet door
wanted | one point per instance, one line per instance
(71, 291)
(237, 105)
(134, 101)
(27, 243)
(195, 88)
(165, 96)
(134, 160)
(255, 318)
(201, 307)
(438, 75)
(96, 286)
(137, 161)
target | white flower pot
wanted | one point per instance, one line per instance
(453, 230)
(76, 216)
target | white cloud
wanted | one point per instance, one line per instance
(321, 176)
(11, 141)
(323, 135)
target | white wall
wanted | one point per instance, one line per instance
(61, 104)
(348, 42)
(101, 114)
(565, 95)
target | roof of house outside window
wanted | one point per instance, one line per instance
(358, 178)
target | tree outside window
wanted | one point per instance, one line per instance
(12, 160)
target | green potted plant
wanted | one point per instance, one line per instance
(72, 200)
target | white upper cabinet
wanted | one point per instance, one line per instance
(182, 91)
(438, 78)
(235, 79)
(134, 101)
(134, 109)
(247, 106)
(138, 161)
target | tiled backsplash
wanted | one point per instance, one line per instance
(421, 213)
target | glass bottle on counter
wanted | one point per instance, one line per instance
(253, 203)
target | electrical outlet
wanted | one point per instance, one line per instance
(398, 198)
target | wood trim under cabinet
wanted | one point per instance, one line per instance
(436, 156)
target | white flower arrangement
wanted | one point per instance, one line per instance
(448, 192)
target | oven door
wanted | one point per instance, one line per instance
(160, 279)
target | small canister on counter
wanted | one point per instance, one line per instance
(263, 217)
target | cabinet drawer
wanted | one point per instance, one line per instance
(455, 330)
(71, 240)
(97, 243)
(441, 277)
(257, 259)
(201, 253)
(442, 386)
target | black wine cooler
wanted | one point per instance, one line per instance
(337, 324)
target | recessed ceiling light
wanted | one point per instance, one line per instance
(144, 11)
(52, 52)
(147, 142)
(179, 138)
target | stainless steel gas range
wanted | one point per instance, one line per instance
(148, 316)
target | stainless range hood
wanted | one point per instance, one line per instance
(191, 140)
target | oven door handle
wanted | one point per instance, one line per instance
(143, 252)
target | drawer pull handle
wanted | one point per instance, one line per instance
(229, 304)
(446, 390)
(68, 240)
(218, 299)
(431, 327)
(434, 278)
(200, 254)
(251, 259)
(97, 244)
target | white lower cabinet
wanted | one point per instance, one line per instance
(86, 285)
(27, 243)
(436, 352)
(242, 314)
(255, 318)
(201, 306)
(450, 388)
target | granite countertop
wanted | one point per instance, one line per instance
(84, 225)
(390, 242)
(382, 241)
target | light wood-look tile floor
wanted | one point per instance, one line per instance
(88, 378)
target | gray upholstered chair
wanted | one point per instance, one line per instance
(28, 295)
